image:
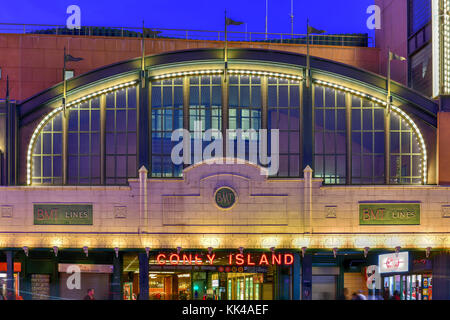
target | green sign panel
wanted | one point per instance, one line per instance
(389, 213)
(63, 214)
(225, 197)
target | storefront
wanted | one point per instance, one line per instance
(3, 278)
(222, 275)
(405, 277)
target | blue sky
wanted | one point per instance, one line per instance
(335, 16)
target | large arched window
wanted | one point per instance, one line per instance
(348, 130)
(89, 149)
(334, 110)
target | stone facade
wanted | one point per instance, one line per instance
(170, 213)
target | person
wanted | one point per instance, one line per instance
(90, 294)
(361, 295)
(396, 295)
(386, 294)
(10, 296)
(344, 295)
(355, 296)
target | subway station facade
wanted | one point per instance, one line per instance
(94, 188)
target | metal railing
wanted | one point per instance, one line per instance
(353, 40)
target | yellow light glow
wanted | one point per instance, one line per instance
(210, 242)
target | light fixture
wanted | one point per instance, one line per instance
(397, 250)
(55, 250)
(178, 250)
(303, 251)
(366, 251)
(427, 252)
(25, 249)
(335, 252)
(241, 250)
(147, 251)
(116, 250)
(210, 249)
(86, 250)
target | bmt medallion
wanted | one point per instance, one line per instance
(225, 198)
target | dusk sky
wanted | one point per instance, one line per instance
(335, 16)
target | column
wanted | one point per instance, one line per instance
(443, 136)
(307, 126)
(116, 288)
(283, 283)
(307, 200)
(10, 292)
(143, 214)
(307, 277)
(144, 122)
(11, 142)
(295, 278)
(441, 277)
(143, 277)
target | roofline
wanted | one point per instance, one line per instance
(422, 106)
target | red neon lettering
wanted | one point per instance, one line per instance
(198, 260)
(186, 259)
(263, 260)
(230, 258)
(158, 258)
(211, 258)
(249, 260)
(171, 258)
(276, 259)
(54, 213)
(239, 259)
(289, 261)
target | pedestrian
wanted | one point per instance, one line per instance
(10, 296)
(344, 295)
(90, 294)
(396, 295)
(386, 294)
(355, 296)
(361, 295)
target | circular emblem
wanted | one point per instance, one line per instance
(225, 198)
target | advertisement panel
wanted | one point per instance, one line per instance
(394, 262)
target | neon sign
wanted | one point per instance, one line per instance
(239, 259)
